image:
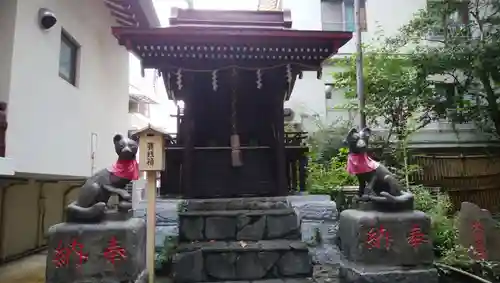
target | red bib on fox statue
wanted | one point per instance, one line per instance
(126, 169)
(359, 163)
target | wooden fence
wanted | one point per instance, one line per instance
(473, 177)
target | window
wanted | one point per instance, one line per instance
(454, 20)
(68, 58)
(454, 103)
(138, 107)
(339, 15)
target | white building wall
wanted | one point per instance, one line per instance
(50, 120)
(308, 97)
(7, 22)
(384, 17)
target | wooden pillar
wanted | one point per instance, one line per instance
(302, 172)
(279, 129)
(288, 173)
(187, 158)
(151, 223)
(293, 168)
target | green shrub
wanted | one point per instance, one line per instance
(328, 177)
(438, 206)
(164, 254)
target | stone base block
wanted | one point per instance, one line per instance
(247, 225)
(391, 238)
(357, 273)
(229, 261)
(111, 252)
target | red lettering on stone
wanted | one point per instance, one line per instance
(63, 253)
(478, 236)
(416, 237)
(374, 238)
(114, 252)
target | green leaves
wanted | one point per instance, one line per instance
(395, 89)
(456, 42)
(467, 54)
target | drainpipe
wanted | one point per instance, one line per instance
(93, 148)
(41, 211)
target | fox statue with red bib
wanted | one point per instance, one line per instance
(90, 205)
(376, 183)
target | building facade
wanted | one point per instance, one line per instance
(65, 81)
(148, 101)
(313, 106)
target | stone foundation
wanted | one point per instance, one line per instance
(249, 225)
(246, 239)
(386, 247)
(222, 261)
(111, 252)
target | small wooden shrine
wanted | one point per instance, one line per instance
(232, 71)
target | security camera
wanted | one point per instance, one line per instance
(46, 19)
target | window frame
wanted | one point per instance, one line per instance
(347, 8)
(460, 18)
(139, 107)
(74, 47)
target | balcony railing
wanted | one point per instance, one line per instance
(450, 29)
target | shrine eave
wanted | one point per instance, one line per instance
(191, 46)
(192, 33)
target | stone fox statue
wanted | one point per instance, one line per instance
(372, 176)
(90, 206)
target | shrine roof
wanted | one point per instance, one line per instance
(222, 38)
(158, 47)
(201, 41)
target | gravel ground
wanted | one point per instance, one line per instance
(30, 269)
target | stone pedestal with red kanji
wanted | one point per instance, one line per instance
(386, 247)
(111, 252)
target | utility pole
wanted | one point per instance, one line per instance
(360, 84)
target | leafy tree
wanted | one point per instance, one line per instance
(467, 54)
(395, 91)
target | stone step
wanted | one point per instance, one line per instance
(236, 213)
(255, 203)
(253, 260)
(251, 225)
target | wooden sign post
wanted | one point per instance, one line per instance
(151, 161)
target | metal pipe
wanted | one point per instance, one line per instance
(93, 149)
(359, 64)
(463, 272)
(41, 211)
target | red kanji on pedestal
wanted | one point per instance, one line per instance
(478, 234)
(375, 236)
(62, 254)
(114, 252)
(416, 237)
